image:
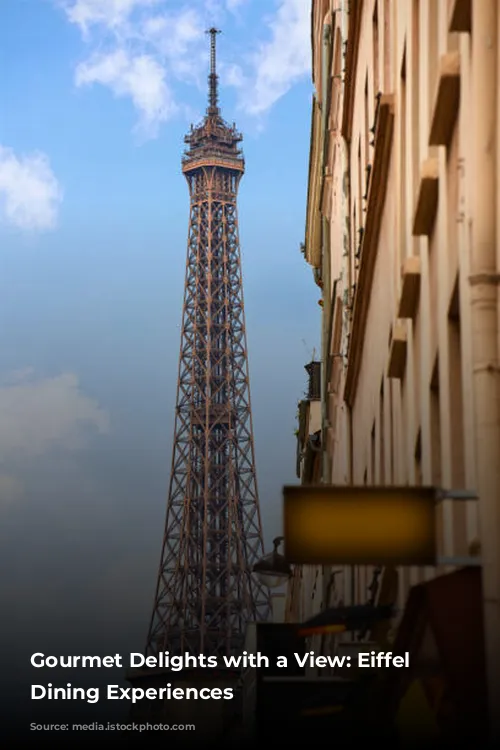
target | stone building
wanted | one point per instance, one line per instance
(403, 212)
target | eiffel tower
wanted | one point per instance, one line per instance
(206, 593)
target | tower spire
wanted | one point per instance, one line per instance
(213, 80)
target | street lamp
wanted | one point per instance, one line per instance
(273, 570)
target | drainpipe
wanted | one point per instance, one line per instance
(326, 52)
(484, 280)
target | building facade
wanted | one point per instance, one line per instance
(402, 225)
(304, 594)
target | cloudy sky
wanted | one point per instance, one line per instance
(95, 98)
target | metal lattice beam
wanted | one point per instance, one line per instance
(206, 593)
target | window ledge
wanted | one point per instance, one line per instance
(447, 100)
(460, 16)
(410, 289)
(397, 355)
(427, 200)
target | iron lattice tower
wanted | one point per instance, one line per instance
(206, 592)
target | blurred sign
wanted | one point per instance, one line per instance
(336, 525)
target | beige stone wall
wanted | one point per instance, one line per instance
(400, 45)
(419, 427)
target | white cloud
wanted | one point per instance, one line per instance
(173, 33)
(282, 61)
(233, 5)
(141, 78)
(30, 194)
(137, 51)
(141, 49)
(110, 13)
(178, 39)
(232, 75)
(37, 415)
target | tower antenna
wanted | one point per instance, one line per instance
(213, 79)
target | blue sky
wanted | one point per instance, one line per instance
(95, 98)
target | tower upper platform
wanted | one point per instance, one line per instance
(213, 143)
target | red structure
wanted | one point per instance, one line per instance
(206, 592)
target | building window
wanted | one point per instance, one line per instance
(381, 433)
(433, 287)
(432, 59)
(376, 43)
(436, 450)
(336, 84)
(453, 177)
(456, 413)
(335, 353)
(417, 364)
(392, 443)
(373, 455)
(435, 427)
(402, 158)
(387, 44)
(354, 249)
(418, 459)
(415, 87)
(360, 188)
(366, 133)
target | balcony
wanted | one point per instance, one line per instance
(309, 426)
(313, 370)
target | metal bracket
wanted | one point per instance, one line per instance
(456, 495)
(460, 562)
(334, 680)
